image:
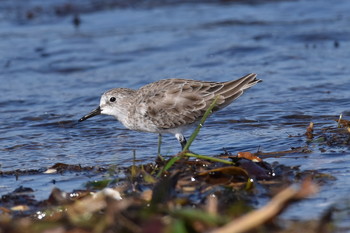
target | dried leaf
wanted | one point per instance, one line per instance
(250, 156)
(343, 123)
(212, 204)
(20, 208)
(4, 210)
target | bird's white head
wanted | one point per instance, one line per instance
(112, 102)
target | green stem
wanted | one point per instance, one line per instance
(191, 139)
(250, 184)
(200, 125)
(208, 158)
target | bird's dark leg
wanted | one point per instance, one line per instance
(159, 146)
(180, 137)
(159, 143)
(183, 143)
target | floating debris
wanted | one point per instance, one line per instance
(309, 131)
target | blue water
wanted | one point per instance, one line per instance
(52, 74)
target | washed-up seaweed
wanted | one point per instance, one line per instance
(193, 194)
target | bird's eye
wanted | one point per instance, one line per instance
(112, 99)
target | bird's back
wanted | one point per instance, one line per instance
(172, 103)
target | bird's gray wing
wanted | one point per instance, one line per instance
(172, 103)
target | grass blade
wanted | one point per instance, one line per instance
(200, 125)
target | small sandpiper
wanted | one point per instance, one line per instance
(169, 105)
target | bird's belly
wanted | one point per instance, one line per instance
(141, 124)
(148, 126)
(137, 121)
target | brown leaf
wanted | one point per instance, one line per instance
(250, 156)
(20, 208)
(344, 123)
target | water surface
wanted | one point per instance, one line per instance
(52, 73)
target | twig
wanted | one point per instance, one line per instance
(273, 208)
(276, 153)
(340, 117)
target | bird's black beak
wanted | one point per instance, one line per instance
(95, 112)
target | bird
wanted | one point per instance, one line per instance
(169, 105)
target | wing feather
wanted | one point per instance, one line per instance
(172, 103)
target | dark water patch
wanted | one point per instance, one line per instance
(245, 124)
(243, 121)
(31, 136)
(70, 65)
(272, 23)
(263, 36)
(47, 53)
(58, 124)
(322, 36)
(15, 111)
(14, 102)
(340, 101)
(32, 118)
(297, 116)
(238, 50)
(41, 117)
(27, 146)
(68, 68)
(206, 64)
(232, 22)
(142, 51)
(117, 61)
(35, 11)
(96, 131)
(280, 59)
